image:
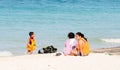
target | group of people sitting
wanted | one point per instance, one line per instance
(74, 46)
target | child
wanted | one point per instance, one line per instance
(70, 44)
(31, 44)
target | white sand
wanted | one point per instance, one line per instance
(51, 62)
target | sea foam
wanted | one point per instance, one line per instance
(111, 40)
(5, 53)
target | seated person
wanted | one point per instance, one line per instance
(70, 44)
(82, 48)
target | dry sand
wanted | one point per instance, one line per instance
(95, 61)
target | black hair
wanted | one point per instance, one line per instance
(31, 33)
(71, 35)
(81, 34)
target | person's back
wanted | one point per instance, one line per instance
(69, 44)
(85, 48)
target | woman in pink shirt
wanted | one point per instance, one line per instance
(70, 44)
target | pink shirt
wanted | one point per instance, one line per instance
(68, 46)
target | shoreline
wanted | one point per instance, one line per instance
(110, 51)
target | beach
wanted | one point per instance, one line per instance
(95, 61)
(51, 21)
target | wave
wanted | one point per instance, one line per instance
(5, 53)
(79, 2)
(111, 40)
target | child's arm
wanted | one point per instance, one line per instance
(28, 44)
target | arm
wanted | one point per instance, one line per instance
(80, 47)
(28, 43)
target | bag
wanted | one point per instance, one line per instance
(48, 49)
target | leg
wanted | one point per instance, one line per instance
(28, 52)
(31, 52)
(74, 52)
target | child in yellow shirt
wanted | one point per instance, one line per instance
(31, 43)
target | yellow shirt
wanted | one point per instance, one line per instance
(85, 47)
(31, 45)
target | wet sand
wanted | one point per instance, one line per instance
(111, 51)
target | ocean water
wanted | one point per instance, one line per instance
(52, 20)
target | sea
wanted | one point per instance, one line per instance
(52, 20)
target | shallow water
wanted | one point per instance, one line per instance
(52, 20)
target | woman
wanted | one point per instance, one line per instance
(83, 46)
